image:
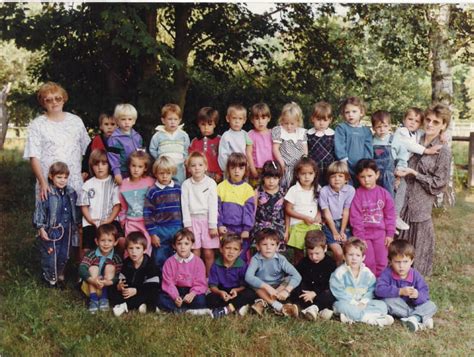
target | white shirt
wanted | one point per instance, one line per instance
(199, 198)
(303, 202)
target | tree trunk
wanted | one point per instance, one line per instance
(442, 79)
(150, 62)
(4, 114)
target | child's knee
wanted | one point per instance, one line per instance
(109, 271)
(94, 271)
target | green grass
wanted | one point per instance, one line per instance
(39, 321)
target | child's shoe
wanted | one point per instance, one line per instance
(385, 320)
(259, 307)
(326, 314)
(427, 324)
(346, 320)
(411, 323)
(219, 312)
(120, 309)
(401, 225)
(93, 306)
(199, 312)
(290, 310)
(311, 313)
(142, 309)
(157, 310)
(104, 305)
(244, 310)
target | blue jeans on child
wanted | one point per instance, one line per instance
(355, 313)
(165, 250)
(386, 165)
(166, 303)
(329, 236)
(399, 308)
(54, 255)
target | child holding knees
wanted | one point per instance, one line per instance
(335, 200)
(234, 140)
(138, 284)
(132, 197)
(99, 199)
(313, 294)
(184, 282)
(372, 215)
(229, 292)
(261, 149)
(171, 140)
(352, 140)
(236, 202)
(56, 220)
(123, 141)
(199, 208)
(289, 140)
(208, 142)
(272, 276)
(270, 201)
(162, 212)
(404, 290)
(301, 206)
(100, 268)
(321, 139)
(353, 285)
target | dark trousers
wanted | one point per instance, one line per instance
(323, 300)
(146, 296)
(245, 297)
(166, 303)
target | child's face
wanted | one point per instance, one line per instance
(306, 176)
(106, 243)
(164, 177)
(207, 127)
(125, 123)
(267, 247)
(230, 252)
(368, 178)
(183, 247)
(337, 181)
(321, 124)
(316, 254)
(412, 121)
(354, 257)
(108, 126)
(260, 121)
(433, 125)
(101, 169)
(171, 122)
(381, 129)
(271, 183)
(135, 252)
(197, 168)
(289, 123)
(137, 168)
(401, 265)
(236, 119)
(237, 173)
(59, 180)
(352, 114)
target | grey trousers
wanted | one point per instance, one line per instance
(399, 308)
(400, 196)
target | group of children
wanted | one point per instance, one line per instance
(145, 229)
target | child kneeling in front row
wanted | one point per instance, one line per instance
(139, 283)
(404, 290)
(100, 268)
(313, 294)
(271, 275)
(353, 286)
(229, 292)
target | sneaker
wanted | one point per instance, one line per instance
(346, 320)
(244, 310)
(311, 313)
(220, 312)
(401, 225)
(120, 309)
(93, 306)
(326, 314)
(142, 309)
(428, 324)
(157, 310)
(259, 307)
(385, 320)
(411, 323)
(104, 305)
(199, 312)
(290, 310)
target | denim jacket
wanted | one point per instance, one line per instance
(48, 211)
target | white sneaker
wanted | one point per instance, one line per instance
(311, 313)
(428, 324)
(200, 312)
(411, 323)
(157, 310)
(346, 320)
(401, 225)
(142, 309)
(244, 310)
(371, 318)
(120, 309)
(326, 314)
(385, 320)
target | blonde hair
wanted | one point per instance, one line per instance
(51, 87)
(338, 167)
(125, 110)
(237, 108)
(173, 108)
(164, 163)
(195, 155)
(293, 110)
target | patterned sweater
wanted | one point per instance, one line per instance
(162, 207)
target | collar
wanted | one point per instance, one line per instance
(239, 263)
(183, 260)
(410, 277)
(204, 179)
(327, 132)
(162, 129)
(261, 257)
(108, 256)
(159, 185)
(300, 188)
(212, 136)
(236, 183)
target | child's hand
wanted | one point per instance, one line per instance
(309, 220)
(432, 150)
(233, 294)
(282, 295)
(129, 292)
(286, 236)
(43, 235)
(406, 291)
(253, 172)
(308, 296)
(121, 285)
(343, 236)
(396, 183)
(222, 230)
(179, 301)
(271, 291)
(99, 283)
(188, 298)
(443, 137)
(84, 175)
(214, 233)
(155, 241)
(388, 241)
(407, 171)
(413, 294)
(337, 236)
(224, 295)
(118, 179)
(245, 235)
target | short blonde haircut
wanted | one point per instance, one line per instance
(237, 108)
(125, 110)
(195, 155)
(338, 167)
(293, 110)
(440, 111)
(164, 163)
(173, 108)
(51, 87)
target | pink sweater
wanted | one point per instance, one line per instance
(372, 213)
(181, 274)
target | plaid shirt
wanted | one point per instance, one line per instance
(94, 259)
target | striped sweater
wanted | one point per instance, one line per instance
(162, 207)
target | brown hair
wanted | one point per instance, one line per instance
(107, 228)
(306, 161)
(356, 243)
(416, 111)
(230, 238)
(183, 233)
(400, 247)
(266, 233)
(104, 116)
(236, 159)
(353, 101)
(315, 239)
(195, 155)
(136, 238)
(140, 155)
(322, 110)
(51, 87)
(96, 156)
(170, 107)
(58, 168)
(207, 115)
(380, 116)
(440, 111)
(260, 108)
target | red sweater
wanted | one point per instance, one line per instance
(208, 146)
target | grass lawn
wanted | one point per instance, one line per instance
(38, 321)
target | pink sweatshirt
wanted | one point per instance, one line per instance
(191, 274)
(372, 213)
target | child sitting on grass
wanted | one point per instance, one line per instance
(99, 268)
(353, 285)
(404, 290)
(271, 275)
(229, 292)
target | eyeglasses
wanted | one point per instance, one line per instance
(57, 99)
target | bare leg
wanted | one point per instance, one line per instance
(209, 257)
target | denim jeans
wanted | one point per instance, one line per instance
(54, 255)
(166, 303)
